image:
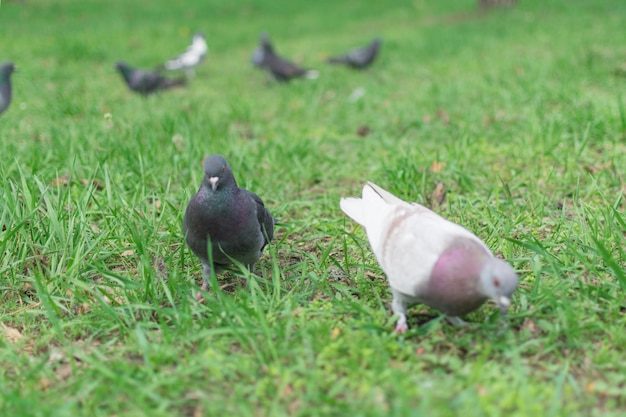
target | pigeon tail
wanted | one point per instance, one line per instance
(170, 66)
(173, 82)
(355, 209)
(368, 211)
(385, 195)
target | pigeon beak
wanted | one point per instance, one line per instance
(213, 181)
(504, 303)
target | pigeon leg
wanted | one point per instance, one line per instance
(401, 325)
(399, 306)
(206, 275)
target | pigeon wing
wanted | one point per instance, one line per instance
(412, 241)
(266, 221)
(407, 238)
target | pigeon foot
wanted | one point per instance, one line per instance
(204, 287)
(401, 325)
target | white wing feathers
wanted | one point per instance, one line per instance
(192, 56)
(406, 238)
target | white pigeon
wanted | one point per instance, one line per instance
(191, 58)
(428, 259)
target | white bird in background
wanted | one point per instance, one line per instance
(191, 58)
(428, 259)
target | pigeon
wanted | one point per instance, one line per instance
(6, 69)
(428, 259)
(359, 58)
(282, 69)
(191, 58)
(146, 82)
(233, 219)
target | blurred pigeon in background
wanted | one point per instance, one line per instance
(258, 56)
(146, 82)
(233, 219)
(359, 58)
(428, 259)
(282, 69)
(6, 69)
(191, 58)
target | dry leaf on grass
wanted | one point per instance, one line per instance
(437, 166)
(96, 183)
(61, 181)
(438, 196)
(155, 201)
(530, 325)
(363, 130)
(598, 167)
(12, 335)
(443, 116)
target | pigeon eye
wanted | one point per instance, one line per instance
(496, 282)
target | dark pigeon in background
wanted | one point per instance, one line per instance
(191, 58)
(146, 82)
(233, 219)
(359, 58)
(282, 69)
(6, 69)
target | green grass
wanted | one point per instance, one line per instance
(518, 113)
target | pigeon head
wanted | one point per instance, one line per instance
(265, 43)
(198, 39)
(217, 172)
(498, 281)
(122, 67)
(6, 68)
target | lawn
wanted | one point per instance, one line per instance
(517, 114)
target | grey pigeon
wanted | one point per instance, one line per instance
(282, 69)
(428, 259)
(146, 82)
(359, 58)
(191, 58)
(233, 219)
(6, 69)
